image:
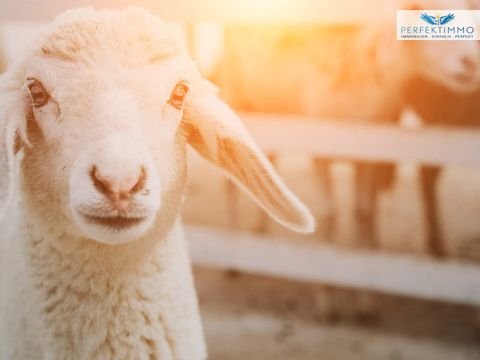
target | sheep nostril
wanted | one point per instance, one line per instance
(119, 191)
(141, 181)
(102, 185)
(469, 64)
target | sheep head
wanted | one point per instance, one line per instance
(105, 105)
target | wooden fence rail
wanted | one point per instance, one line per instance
(337, 139)
(449, 280)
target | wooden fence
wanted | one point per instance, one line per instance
(412, 275)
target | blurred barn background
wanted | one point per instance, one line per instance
(379, 137)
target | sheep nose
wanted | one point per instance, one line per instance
(469, 64)
(119, 191)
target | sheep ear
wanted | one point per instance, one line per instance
(217, 134)
(12, 114)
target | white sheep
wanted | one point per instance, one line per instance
(93, 260)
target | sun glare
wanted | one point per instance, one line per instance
(267, 10)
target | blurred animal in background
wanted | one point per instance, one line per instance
(346, 73)
(438, 105)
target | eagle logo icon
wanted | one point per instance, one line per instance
(437, 20)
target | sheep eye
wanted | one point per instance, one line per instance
(38, 93)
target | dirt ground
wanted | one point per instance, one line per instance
(261, 318)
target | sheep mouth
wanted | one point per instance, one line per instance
(114, 222)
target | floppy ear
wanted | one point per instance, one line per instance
(12, 115)
(216, 132)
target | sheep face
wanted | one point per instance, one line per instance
(109, 102)
(111, 135)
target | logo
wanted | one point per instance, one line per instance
(437, 20)
(438, 24)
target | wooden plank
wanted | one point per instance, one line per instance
(437, 146)
(343, 11)
(449, 281)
